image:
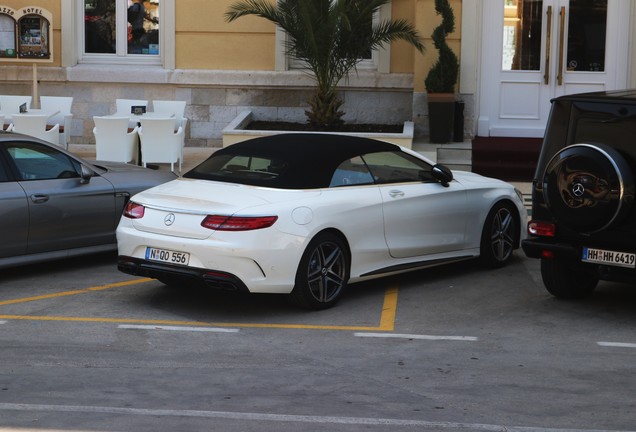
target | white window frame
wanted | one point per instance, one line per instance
(73, 36)
(380, 58)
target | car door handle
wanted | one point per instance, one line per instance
(396, 193)
(38, 199)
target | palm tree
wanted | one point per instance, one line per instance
(331, 37)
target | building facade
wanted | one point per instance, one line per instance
(515, 55)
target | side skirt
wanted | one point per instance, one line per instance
(416, 265)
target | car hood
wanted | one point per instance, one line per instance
(190, 200)
(467, 178)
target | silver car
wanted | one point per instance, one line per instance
(54, 204)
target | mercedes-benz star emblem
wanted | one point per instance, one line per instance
(169, 219)
(578, 190)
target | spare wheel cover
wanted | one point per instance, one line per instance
(588, 187)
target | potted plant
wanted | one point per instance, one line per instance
(330, 37)
(442, 78)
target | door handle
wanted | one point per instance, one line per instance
(39, 199)
(561, 39)
(396, 193)
(548, 38)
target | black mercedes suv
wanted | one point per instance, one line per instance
(583, 225)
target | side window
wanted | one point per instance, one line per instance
(398, 167)
(351, 172)
(37, 162)
(4, 176)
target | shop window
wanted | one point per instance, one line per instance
(128, 28)
(25, 34)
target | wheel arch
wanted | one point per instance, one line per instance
(508, 202)
(338, 233)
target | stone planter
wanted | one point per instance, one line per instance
(235, 132)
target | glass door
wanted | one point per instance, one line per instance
(547, 48)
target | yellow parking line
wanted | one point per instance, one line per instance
(74, 292)
(387, 317)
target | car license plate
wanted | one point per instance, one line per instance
(615, 258)
(167, 256)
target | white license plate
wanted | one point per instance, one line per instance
(167, 256)
(614, 258)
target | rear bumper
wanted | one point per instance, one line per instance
(535, 247)
(187, 275)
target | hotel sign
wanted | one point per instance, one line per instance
(25, 34)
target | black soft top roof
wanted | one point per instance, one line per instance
(310, 146)
(311, 157)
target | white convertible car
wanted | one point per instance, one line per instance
(306, 214)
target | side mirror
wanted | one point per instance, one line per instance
(86, 175)
(442, 174)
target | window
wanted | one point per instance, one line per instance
(38, 162)
(351, 172)
(121, 28)
(240, 168)
(398, 167)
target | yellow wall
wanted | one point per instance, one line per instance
(426, 20)
(204, 40)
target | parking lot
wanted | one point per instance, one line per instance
(453, 348)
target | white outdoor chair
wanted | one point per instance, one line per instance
(123, 106)
(35, 125)
(113, 142)
(11, 105)
(160, 143)
(175, 108)
(64, 117)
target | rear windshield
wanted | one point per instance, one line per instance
(244, 169)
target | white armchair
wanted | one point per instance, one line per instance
(35, 125)
(10, 105)
(64, 117)
(160, 143)
(174, 108)
(113, 141)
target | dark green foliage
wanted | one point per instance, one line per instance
(443, 75)
(330, 37)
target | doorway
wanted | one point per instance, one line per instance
(535, 50)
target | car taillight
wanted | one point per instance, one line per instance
(134, 210)
(543, 229)
(237, 223)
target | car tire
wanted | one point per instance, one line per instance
(499, 236)
(588, 187)
(567, 281)
(322, 274)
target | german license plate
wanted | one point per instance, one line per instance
(167, 256)
(614, 258)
